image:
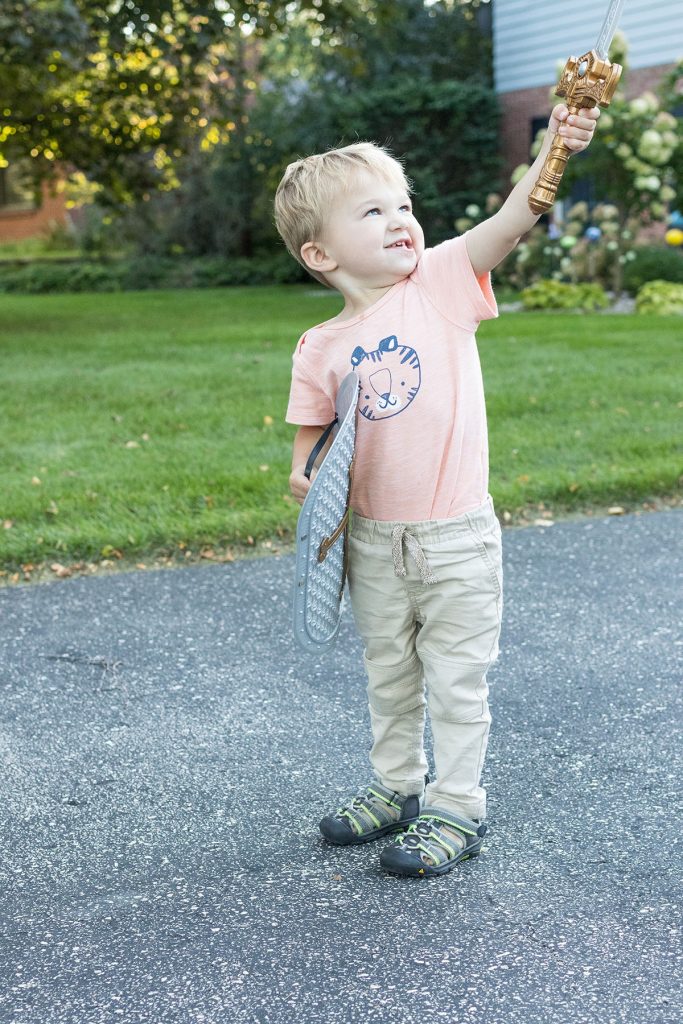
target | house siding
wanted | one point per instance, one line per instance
(533, 38)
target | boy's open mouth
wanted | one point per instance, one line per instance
(403, 243)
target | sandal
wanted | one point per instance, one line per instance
(369, 815)
(434, 844)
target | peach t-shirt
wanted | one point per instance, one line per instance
(421, 441)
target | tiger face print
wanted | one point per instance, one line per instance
(389, 377)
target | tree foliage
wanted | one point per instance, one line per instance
(406, 83)
(185, 112)
(120, 88)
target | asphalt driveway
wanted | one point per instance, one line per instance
(166, 754)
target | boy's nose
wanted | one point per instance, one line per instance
(398, 220)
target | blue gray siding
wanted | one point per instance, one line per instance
(531, 37)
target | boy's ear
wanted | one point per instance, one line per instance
(315, 258)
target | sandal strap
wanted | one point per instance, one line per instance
(374, 807)
(427, 835)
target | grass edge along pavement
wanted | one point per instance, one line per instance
(148, 429)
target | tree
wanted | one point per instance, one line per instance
(120, 88)
(390, 74)
(419, 83)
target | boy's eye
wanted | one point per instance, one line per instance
(374, 210)
(407, 207)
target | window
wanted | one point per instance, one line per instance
(16, 189)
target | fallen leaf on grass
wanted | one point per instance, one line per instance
(543, 522)
(616, 510)
(36, 481)
(110, 552)
(7, 524)
(62, 571)
(132, 444)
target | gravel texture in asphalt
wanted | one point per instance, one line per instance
(167, 753)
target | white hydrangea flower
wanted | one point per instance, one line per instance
(518, 173)
(472, 210)
(645, 104)
(639, 106)
(579, 211)
(650, 145)
(665, 120)
(650, 183)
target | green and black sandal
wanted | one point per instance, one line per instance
(434, 844)
(371, 814)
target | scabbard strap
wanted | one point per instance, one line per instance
(318, 447)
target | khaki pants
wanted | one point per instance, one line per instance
(427, 600)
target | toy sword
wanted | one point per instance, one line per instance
(585, 82)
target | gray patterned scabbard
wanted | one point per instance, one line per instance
(321, 535)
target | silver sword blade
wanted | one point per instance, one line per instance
(609, 27)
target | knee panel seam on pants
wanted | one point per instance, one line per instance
(395, 689)
(466, 666)
(462, 699)
(390, 708)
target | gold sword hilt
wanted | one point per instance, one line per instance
(585, 82)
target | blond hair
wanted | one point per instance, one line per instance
(309, 186)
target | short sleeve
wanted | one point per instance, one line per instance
(445, 272)
(308, 405)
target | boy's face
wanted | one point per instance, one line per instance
(371, 237)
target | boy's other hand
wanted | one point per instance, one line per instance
(575, 129)
(299, 484)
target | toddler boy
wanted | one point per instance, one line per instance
(425, 574)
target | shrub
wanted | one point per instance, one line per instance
(661, 297)
(653, 263)
(42, 278)
(150, 272)
(558, 295)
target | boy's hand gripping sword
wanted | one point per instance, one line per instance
(585, 82)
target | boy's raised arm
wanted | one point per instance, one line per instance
(490, 242)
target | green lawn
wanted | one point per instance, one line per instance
(136, 422)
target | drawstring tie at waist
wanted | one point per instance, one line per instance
(399, 536)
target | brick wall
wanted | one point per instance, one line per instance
(16, 225)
